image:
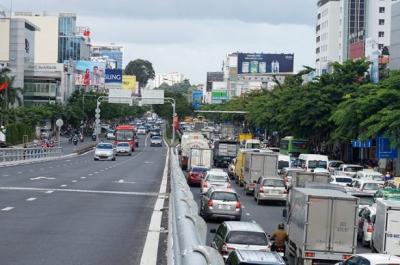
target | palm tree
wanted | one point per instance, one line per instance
(9, 96)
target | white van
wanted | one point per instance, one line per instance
(283, 161)
(311, 161)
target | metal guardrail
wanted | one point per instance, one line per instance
(187, 230)
(34, 153)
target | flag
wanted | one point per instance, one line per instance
(3, 86)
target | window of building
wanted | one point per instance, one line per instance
(380, 46)
(381, 9)
(318, 39)
(319, 16)
(317, 50)
(381, 22)
(381, 34)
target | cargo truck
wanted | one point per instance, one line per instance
(321, 226)
(386, 235)
(256, 165)
(200, 157)
(300, 178)
(189, 141)
(224, 152)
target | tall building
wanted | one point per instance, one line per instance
(327, 34)
(168, 78)
(395, 37)
(112, 54)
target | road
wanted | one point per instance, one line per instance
(79, 211)
(267, 215)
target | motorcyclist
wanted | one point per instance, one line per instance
(279, 237)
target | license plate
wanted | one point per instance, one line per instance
(223, 207)
(275, 192)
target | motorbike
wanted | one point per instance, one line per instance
(81, 137)
(94, 137)
(280, 250)
(75, 140)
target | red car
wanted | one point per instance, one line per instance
(195, 175)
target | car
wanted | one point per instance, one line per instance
(220, 203)
(333, 165)
(123, 148)
(341, 180)
(387, 193)
(104, 151)
(366, 186)
(348, 169)
(156, 141)
(371, 259)
(110, 135)
(232, 235)
(195, 175)
(155, 132)
(365, 224)
(253, 257)
(270, 189)
(214, 178)
(369, 174)
(141, 130)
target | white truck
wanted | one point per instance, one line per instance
(189, 141)
(201, 157)
(301, 178)
(386, 235)
(3, 137)
(256, 165)
(321, 226)
(224, 152)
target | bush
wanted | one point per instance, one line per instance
(15, 133)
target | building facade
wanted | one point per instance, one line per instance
(327, 35)
(111, 54)
(395, 37)
(168, 78)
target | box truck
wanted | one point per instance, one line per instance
(224, 152)
(200, 157)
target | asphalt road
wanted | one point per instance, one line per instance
(267, 215)
(79, 211)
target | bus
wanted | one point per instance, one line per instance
(294, 147)
(126, 133)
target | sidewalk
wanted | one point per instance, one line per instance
(70, 148)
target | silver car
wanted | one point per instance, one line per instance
(155, 141)
(124, 149)
(104, 151)
(220, 203)
(214, 177)
(270, 188)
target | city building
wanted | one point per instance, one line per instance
(327, 35)
(111, 54)
(168, 78)
(395, 37)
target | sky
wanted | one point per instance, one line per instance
(192, 36)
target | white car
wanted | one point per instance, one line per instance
(123, 148)
(270, 189)
(110, 135)
(141, 130)
(348, 169)
(371, 259)
(366, 186)
(365, 224)
(369, 174)
(341, 180)
(104, 151)
(156, 141)
(216, 178)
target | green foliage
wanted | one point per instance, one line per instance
(142, 69)
(16, 132)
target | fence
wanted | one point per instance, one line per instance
(34, 153)
(187, 230)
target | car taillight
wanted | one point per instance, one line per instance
(370, 228)
(210, 203)
(310, 254)
(238, 205)
(261, 189)
(225, 249)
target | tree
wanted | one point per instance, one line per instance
(142, 69)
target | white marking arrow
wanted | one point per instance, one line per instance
(37, 178)
(123, 181)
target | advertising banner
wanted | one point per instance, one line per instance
(113, 76)
(260, 63)
(356, 50)
(89, 73)
(197, 99)
(218, 97)
(129, 82)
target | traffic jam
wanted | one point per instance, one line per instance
(284, 205)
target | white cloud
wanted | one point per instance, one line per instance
(194, 47)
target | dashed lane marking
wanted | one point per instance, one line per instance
(64, 185)
(74, 181)
(49, 191)
(83, 177)
(31, 199)
(7, 209)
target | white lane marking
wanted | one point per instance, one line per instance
(5, 175)
(37, 178)
(96, 172)
(74, 181)
(19, 173)
(150, 250)
(90, 174)
(83, 177)
(123, 181)
(49, 191)
(145, 140)
(148, 162)
(63, 185)
(150, 194)
(7, 209)
(68, 160)
(31, 199)
(247, 214)
(101, 170)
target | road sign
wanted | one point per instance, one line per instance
(97, 110)
(59, 123)
(97, 116)
(120, 96)
(384, 150)
(97, 120)
(153, 97)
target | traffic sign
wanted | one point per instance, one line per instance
(59, 123)
(97, 116)
(97, 120)
(97, 110)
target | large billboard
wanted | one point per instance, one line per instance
(197, 99)
(89, 73)
(356, 50)
(260, 63)
(113, 76)
(129, 82)
(219, 96)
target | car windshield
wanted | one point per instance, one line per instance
(282, 164)
(371, 186)
(224, 196)
(123, 144)
(247, 238)
(343, 180)
(317, 164)
(199, 169)
(155, 138)
(335, 164)
(124, 135)
(217, 178)
(352, 169)
(104, 146)
(273, 183)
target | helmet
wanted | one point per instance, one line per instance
(281, 226)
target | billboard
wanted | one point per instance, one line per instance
(129, 82)
(219, 96)
(89, 73)
(153, 96)
(260, 63)
(113, 76)
(197, 99)
(356, 50)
